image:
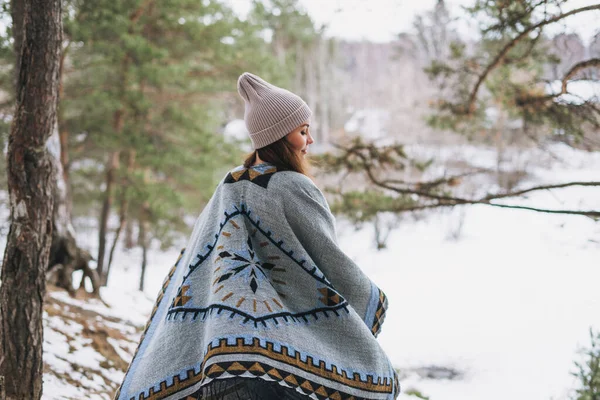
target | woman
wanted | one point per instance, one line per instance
(262, 303)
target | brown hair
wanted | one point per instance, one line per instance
(282, 155)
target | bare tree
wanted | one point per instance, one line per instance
(30, 186)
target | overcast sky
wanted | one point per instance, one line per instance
(381, 20)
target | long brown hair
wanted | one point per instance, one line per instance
(282, 155)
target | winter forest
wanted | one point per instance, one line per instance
(461, 159)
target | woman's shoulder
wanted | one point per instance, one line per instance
(295, 186)
(293, 178)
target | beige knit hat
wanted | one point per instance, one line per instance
(271, 112)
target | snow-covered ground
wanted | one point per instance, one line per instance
(507, 303)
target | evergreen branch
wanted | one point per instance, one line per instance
(501, 26)
(470, 109)
(590, 213)
(441, 200)
(536, 188)
(593, 62)
(137, 14)
(451, 180)
(528, 51)
(382, 184)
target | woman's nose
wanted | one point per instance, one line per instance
(310, 139)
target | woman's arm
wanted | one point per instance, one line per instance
(311, 220)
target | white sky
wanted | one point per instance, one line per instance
(381, 20)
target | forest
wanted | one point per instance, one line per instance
(463, 169)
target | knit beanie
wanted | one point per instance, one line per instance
(271, 112)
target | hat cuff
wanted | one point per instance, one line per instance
(275, 132)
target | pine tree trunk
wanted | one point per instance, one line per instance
(30, 186)
(111, 170)
(143, 239)
(324, 85)
(144, 223)
(65, 254)
(298, 69)
(129, 237)
(309, 70)
(124, 211)
(63, 135)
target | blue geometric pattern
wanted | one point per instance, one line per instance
(249, 279)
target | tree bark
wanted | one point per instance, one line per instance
(17, 11)
(63, 135)
(30, 186)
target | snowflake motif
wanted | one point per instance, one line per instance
(246, 265)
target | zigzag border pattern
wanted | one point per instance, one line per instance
(161, 294)
(257, 369)
(379, 314)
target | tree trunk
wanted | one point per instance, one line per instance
(111, 170)
(63, 135)
(2, 389)
(143, 239)
(129, 238)
(65, 255)
(124, 211)
(310, 73)
(30, 187)
(324, 85)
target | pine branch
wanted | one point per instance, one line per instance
(470, 109)
(137, 14)
(515, 17)
(593, 62)
(432, 199)
(537, 188)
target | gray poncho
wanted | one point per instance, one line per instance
(262, 290)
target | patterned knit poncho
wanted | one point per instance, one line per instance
(263, 291)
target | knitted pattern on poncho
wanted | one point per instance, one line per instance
(262, 290)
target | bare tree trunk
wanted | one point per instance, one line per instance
(129, 239)
(309, 70)
(30, 186)
(63, 135)
(123, 214)
(143, 239)
(111, 170)
(65, 254)
(298, 69)
(324, 66)
(113, 164)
